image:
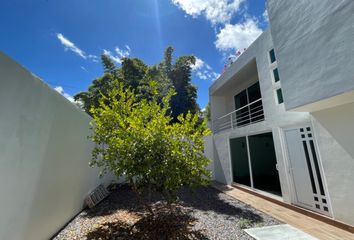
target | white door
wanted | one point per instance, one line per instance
(305, 170)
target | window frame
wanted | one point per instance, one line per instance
(277, 96)
(270, 56)
(273, 74)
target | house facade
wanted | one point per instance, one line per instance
(283, 113)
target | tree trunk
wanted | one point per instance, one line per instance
(140, 198)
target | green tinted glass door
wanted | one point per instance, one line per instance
(239, 158)
(264, 161)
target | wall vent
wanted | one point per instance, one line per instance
(96, 196)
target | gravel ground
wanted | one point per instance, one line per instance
(213, 215)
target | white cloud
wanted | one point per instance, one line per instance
(123, 52)
(229, 37)
(114, 58)
(94, 58)
(216, 11)
(83, 68)
(203, 71)
(118, 54)
(265, 16)
(199, 63)
(60, 90)
(70, 46)
(238, 36)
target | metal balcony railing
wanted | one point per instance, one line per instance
(248, 114)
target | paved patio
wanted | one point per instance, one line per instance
(314, 227)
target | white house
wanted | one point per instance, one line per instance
(283, 112)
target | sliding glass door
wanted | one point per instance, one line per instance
(264, 172)
(254, 162)
(240, 166)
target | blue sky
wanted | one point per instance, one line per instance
(61, 40)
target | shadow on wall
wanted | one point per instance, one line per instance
(219, 173)
(335, 137)
(338, 123)
(208, 152)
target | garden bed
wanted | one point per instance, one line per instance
(204, 214)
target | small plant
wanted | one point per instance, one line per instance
(260, 224)
(244, 223)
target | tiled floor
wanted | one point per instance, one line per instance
(300, 221)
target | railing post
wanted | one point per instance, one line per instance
(232, 125)
(221, 123)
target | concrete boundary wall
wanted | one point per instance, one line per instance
(44, 155)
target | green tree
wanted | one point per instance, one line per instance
(108, 65)
(162, 83)
(100, 86)
(136, 74)
(167, 62)
(186, 93)
(133, 71)
(135, 138)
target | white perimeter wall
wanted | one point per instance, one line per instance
(208, 152)
(44, 155)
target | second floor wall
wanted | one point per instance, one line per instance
(314, 42)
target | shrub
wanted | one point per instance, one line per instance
(135, 138)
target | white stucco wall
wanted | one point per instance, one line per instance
(334, 130)
(208, 152)
(44, 172)
(314, 45)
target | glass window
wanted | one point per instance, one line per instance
(241, 99)
(280, 96)
(242, 115)
(253, 112)
(254, 92)
(256, 108)
(276, 75)
(272, 56)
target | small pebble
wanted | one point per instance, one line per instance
(216, 216)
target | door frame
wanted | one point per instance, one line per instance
(252, 188)
(289, 173)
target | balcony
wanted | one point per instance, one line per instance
(246, 115)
